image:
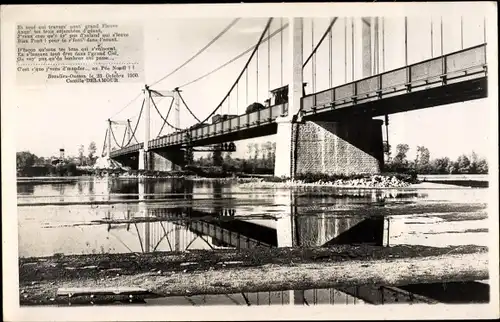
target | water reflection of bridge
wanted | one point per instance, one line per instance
(302, 221)
(350, 296)
(220, 225)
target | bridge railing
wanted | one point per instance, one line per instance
(234, 124)
(453, 67)
(127, 149)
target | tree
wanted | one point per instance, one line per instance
(399, 162)
(25, 159)
(42, 161)
(422, 160)
(267, 154)
(189, 155)
(273, 154)
(482, 166)
(463, 164)
(256, 150)
(228, 160)
(92, 151)
(217, 157)
(249, 150)
(81, 154)
(440, 165)
(473, 163)
(387, 150)
(401, 151)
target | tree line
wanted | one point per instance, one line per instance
(29, 164)
(423, 164)
(260, 160)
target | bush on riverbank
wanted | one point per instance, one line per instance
(48, 170)
(318, 177)
(208, 171)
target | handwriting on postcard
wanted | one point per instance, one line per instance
(79, 53)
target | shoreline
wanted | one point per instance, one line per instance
(42, 279)
(412, 186)
(367, 182)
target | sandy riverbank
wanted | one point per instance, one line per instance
(228, 271)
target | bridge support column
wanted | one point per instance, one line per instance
(285, 222)
(283, 158)
(142, 160)
(161, 160)
(165, 160)
(283, 165)
(333, 148)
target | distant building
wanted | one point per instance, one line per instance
(60, 159)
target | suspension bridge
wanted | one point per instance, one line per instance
(318, 129)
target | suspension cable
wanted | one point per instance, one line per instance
(234, 59)
(406, 41)
(131, 135)
(187, 107)
(352, 48)
(199, 52)
(164, 119)
(345, 50)
(432, 39)
(257, 71)
(484, 29)
(320, 41)
(268, 63)
(114, 138)
(241, 73)
(124, 134)
(313, 63)
(330, 57)
(136, 124)
(462, 32)
(383, 44)
(442, 45)
(376, 49)
(315, 49)
(281, 51)
(104, 145)
(127, 105)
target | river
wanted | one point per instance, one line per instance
(90, 215)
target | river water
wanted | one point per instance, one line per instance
(92, 215)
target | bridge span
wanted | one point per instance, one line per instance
(329, 131)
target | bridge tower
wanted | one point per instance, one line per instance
(159, 160)
(109, 141)
(143, 153)
(329, 146)
(284, 159)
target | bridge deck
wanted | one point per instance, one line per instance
(454, 77)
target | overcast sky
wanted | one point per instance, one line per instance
(65, 116)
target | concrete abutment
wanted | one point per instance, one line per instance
(161, 160)
(327, 147)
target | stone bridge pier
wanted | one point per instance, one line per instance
(328, 147)
(161, 160)
(347, 146)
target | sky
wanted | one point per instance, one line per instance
(50, 117)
